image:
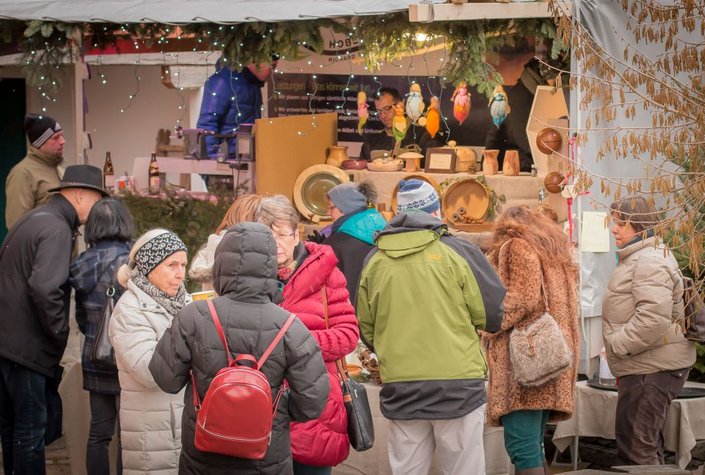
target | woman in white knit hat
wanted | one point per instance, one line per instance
(150, 419)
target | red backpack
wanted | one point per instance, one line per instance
(235, 418)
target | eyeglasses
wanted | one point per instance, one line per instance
(385, 109)
(282, 236)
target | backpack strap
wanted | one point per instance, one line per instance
(221, 333)
(276, 340)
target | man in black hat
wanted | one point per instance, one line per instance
(34, 303)
(29, 181)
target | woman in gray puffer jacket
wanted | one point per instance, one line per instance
(244, 273)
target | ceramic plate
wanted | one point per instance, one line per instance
(311, 189)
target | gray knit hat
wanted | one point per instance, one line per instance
(40, 128)
(347, 198)
(417, 195)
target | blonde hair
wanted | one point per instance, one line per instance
(277, 209)
(125, 270)
(242, 209)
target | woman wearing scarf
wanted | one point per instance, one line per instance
(150, 420)
(646, 349)
(351, 205)
(306, 270)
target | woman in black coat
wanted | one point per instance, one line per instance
(109, 231)
(245, 278)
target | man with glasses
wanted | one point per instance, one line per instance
(385, 100)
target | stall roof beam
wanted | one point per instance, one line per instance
(189, 11)
(425, 12)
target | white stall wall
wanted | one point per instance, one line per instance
(599, 17)
(131, 133)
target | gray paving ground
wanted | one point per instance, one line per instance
(595, 453)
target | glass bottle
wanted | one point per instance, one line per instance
(108, 173)
(154, 182)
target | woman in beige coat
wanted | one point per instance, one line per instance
(150, 419)
(529, 249)
(646, 349)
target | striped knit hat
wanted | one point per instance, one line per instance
(40, 128)
(417, 195)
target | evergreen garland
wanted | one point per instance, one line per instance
(383, 38)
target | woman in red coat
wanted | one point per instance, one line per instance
(305, 269)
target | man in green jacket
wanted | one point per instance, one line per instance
(29, 181)
(423, 295)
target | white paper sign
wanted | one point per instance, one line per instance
(595, 233)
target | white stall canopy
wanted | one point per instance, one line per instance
(189, 11)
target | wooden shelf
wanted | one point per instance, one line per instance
(424, 12)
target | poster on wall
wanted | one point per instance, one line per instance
(297, 94)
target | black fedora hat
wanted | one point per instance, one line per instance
(82, 176)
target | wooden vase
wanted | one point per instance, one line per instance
(490, 165)
(510, 166)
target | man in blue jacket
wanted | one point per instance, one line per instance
(34, 328)
(231, 99)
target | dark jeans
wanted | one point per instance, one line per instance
(642, 406)
(23, 418)
(104, 416)
(301, 469)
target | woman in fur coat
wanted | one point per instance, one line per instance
(530, 253)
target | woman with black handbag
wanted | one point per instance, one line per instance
(108, 234)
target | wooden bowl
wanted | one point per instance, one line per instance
(354, 164)
(465, 198)
(379, 165)
(419, 176)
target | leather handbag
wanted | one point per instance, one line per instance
(539, 352)
(102, 353)
(361, 431)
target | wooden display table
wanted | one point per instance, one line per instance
(518, 190)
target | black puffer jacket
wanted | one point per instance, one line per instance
(245, 278)
(34, 286)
